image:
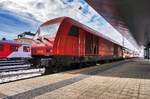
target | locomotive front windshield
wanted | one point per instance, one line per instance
(47, 30)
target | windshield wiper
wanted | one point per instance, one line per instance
(39, 40)
(46, 39)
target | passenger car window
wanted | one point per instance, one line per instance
(14, 48)
(26, 49)
(74, 31)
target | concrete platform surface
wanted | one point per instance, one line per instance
(119, 80)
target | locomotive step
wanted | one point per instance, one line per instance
(14, 66)
(13, 61)
(22, 71)
(9, 64)
(20, 74)
(14, 69)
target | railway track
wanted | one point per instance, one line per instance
(11, 70)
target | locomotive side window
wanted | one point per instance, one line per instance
(74, 31)
(26, 49)
(1, 47)
(14, 48)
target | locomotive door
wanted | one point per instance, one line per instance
(73, 41)
(91, 44)
(116, 50)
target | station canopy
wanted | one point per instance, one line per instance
(132, 16)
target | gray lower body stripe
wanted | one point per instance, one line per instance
(51, 87)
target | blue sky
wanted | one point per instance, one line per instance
(17, 16)
(11, 24)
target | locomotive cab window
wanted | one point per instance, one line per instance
(1, 47)
(26, 49)
(74, 31)
(14, 48)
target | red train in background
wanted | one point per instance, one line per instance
(10, 49)
(63, 41)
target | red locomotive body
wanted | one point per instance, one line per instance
(66, 41)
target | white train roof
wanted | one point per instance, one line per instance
(14, 42)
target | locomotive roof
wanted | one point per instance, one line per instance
(80, 25)
(13, 42)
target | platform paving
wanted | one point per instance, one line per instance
(118, 80)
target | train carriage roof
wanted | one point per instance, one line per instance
(14, 42)
(80, 25)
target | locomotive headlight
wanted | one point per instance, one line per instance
(41, 50)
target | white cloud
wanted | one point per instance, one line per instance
(41, 10)
(4, 35)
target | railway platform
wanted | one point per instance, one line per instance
(128, 79)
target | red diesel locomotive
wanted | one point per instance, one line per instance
(64, 41)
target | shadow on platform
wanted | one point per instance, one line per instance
(138, 69)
